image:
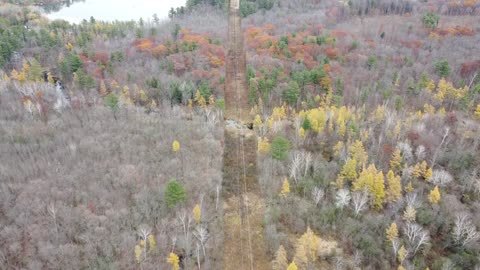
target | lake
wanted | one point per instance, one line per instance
(111, 10)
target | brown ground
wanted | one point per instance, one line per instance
(244, 242)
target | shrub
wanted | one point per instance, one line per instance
(442, 68)
(430, 20)
(371, 62)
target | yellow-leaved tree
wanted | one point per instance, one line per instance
(285, 188)
(138, 253)
(197, 214)
(338, 148)
(392, 232)
(348, 172)
(410, 214)
(422, 170)
(434, 196)
(151, 242)
(103, 89)
(301, 133)
(292, 266)
(263, 146)
(357, 152)
(394, 190)
(300, 257)
(200, 99)
(175, 146)
(280, 262)
(409, 187)
(374, 182)
(257, 122)
(396, 161)
(310, 242)
(174, 261)
(402, 254)
(477, 112)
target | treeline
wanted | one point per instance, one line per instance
(247, 7)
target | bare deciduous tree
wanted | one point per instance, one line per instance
(359, 201)
(441, 178)
(416, 236)
(464, 231)
(202, 236)
(317, 195)
(342, 198)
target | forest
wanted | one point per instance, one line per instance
(366, 116)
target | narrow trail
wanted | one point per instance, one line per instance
(244, 207)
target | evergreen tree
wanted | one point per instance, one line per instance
(280, 147)
(174, 194)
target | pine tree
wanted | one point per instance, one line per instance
(174, 194)
(434, 196)
(197, 214)
(111, 100)
(285, 188)
(280, 262)
(394, 190)
(174, 261)
(392, 232)
(396, 161)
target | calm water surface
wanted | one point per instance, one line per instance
(111, 10)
